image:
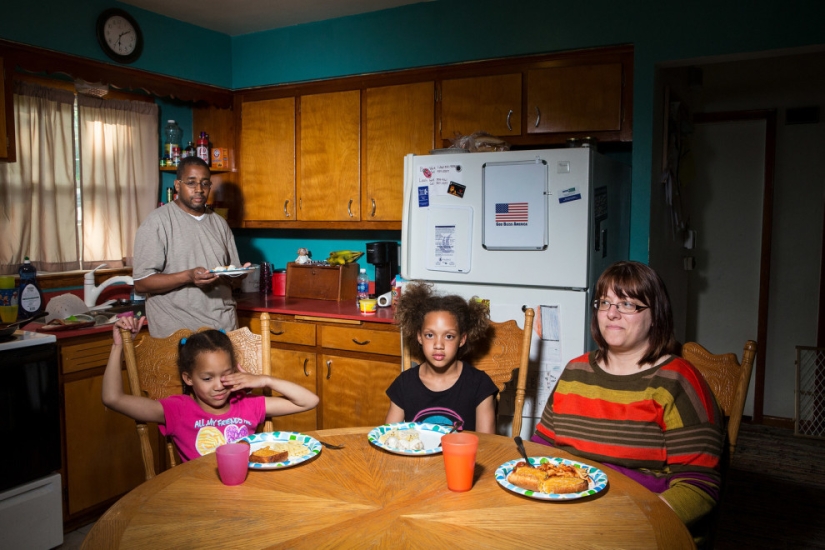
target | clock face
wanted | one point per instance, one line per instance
(119, 35)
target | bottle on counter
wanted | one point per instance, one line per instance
(363, 291)
(189, 151)
(30, 297)
(8, 299)
(202, 149)
(171, 145)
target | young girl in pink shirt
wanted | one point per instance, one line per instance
(214, 407)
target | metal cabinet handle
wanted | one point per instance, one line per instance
(373, 208)
(306, 360)
(286, 212)
(276, 333)
(538, 116)
(357, 343)
(509, 126)
(329, 369)
(349, 208)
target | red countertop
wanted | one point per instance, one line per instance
(253, 301)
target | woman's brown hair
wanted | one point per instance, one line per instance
(640, 282)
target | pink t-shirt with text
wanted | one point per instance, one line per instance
(196, 432)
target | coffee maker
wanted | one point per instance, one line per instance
(384, 256)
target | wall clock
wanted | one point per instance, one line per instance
(119, 35)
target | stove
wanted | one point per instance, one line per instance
(24, 339)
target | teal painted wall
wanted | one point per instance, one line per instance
(449, 31)
(445, 31)
(171, 47)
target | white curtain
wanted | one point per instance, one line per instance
(37, 193)
(118, 174)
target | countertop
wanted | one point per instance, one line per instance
(253, 301)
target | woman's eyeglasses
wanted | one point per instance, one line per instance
(622, 307)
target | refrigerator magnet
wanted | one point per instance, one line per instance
(456, 189)
(423, 196)
(570, 194)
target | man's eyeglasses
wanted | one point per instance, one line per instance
(623, 307)
(193, 184)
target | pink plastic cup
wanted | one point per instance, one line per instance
(233, 462)
(459, 450)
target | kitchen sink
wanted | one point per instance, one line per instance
(114, 310)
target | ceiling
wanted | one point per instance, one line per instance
(248, 16)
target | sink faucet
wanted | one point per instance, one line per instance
(92, 292)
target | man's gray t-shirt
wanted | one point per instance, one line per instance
(171, 240)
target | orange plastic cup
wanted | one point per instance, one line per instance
(459, 450)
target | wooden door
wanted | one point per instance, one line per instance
(399, 120)
(577, 98)
(489, 104)
(103, 457)
(353, 391)
(329, 182)
(268, 159)
(297, 367)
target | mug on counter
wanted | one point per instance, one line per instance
(279, 282)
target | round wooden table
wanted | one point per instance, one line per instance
(362, 496)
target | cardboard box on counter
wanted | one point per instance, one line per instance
(321, 282)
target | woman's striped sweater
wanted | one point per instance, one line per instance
(660, 426)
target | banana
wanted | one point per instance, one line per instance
(341, 257)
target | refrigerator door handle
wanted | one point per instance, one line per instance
(604, 243)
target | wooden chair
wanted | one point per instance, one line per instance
(728, 379)
(152, 367)
(507, 350)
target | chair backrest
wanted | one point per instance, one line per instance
(507, 350)
(152, 367)
(728, 379)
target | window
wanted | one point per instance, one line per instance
(85, 177)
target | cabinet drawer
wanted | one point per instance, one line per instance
(87, 355)
(359, 339)
(288, 332)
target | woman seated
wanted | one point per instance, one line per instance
(633, 404)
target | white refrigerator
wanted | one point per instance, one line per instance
(520, 229)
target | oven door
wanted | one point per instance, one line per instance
(29, 414)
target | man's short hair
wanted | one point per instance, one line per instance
(191, 161)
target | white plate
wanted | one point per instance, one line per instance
(597, 482)
(430, 434)
(256, 441)
(234, 272)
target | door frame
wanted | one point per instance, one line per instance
(769, 116)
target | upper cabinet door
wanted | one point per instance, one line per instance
(330, 179)
(577, 98)
(489, 104)
(399, 120)
(268, 159)
(6, 124)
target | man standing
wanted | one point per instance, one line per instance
(175, 247)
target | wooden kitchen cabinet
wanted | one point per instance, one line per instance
(399, 120)
(489, 104)
(268, 159)
(102, 457)
(6, 116)
(297, 367)
(576, 98)
(348, 364)
(329, 182)
(353, 391)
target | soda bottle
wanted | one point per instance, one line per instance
(203, 147)
(171, 145)
(363, 291)
(30, 298)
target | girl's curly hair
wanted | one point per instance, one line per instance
(418, 299)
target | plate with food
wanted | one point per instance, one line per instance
(551, 478)
(409, 438)
(276, 450)
(72, 322)
(231, 270)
